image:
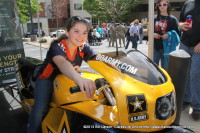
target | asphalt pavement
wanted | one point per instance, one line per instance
(13, 118)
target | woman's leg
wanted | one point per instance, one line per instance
(134, 42)
(156, 56)
(128, 41)
(42, 95)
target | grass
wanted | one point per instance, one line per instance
(34, 60)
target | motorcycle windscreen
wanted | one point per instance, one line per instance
(134, 64)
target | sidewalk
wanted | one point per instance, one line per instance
(186, 120)
(102, 48)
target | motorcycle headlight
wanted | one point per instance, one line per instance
(165, 106)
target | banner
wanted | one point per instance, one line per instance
(11, 45)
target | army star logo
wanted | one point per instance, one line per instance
(137, 104)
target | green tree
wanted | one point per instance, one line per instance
(110, 10)
(23, 10)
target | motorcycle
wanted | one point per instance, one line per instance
(133, 95)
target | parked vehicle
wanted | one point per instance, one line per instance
(35, 32)
(56, 33)
(133, 95)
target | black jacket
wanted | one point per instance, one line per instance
(191, 37)
(163, 24)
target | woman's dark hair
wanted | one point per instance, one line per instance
(168, 7)
(63, 36)
(75, 19)
(71, 22)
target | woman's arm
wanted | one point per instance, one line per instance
(68, 70)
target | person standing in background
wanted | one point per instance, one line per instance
(100, 31)
(121, 34)
(163, 23)
(134, 33)
(104, 32)
(113, 35)
(140, 33)
(90, 35)
(190, 42)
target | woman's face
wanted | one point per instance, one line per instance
(77, 35)
(163, 5)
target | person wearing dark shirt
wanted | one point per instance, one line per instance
(63, 56)
(163, 22)
(190, 42)
(90, 36)
(128, 38)
(140, 33)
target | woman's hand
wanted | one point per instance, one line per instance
(86, 85)
(156, 36)
(184, 26)
(164, 36)
(197, 48)
(68, 70)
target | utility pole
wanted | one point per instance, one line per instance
(39, 32)
(31, 18)
(151, 29)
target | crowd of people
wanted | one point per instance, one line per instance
(67, 52)
(113, 32)
(170, 33)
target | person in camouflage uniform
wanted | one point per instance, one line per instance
(121, 33)
(113, 34)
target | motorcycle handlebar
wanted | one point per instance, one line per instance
(98, 82)
(74, 89)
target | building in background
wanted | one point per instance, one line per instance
(142, 10)
(56, 12)
(76, 9)
(53, 16)
(43, 20)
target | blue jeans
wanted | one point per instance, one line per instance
(134, 41)
(192, 90)
(141, 38)
(128, 41)
(42, 95)
(157, 56)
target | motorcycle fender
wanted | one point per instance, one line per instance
(56, 121)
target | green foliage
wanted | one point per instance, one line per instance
(23, 9)
(43, 40)
(110, 10)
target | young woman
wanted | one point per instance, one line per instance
(163, 22)
(62, 57)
